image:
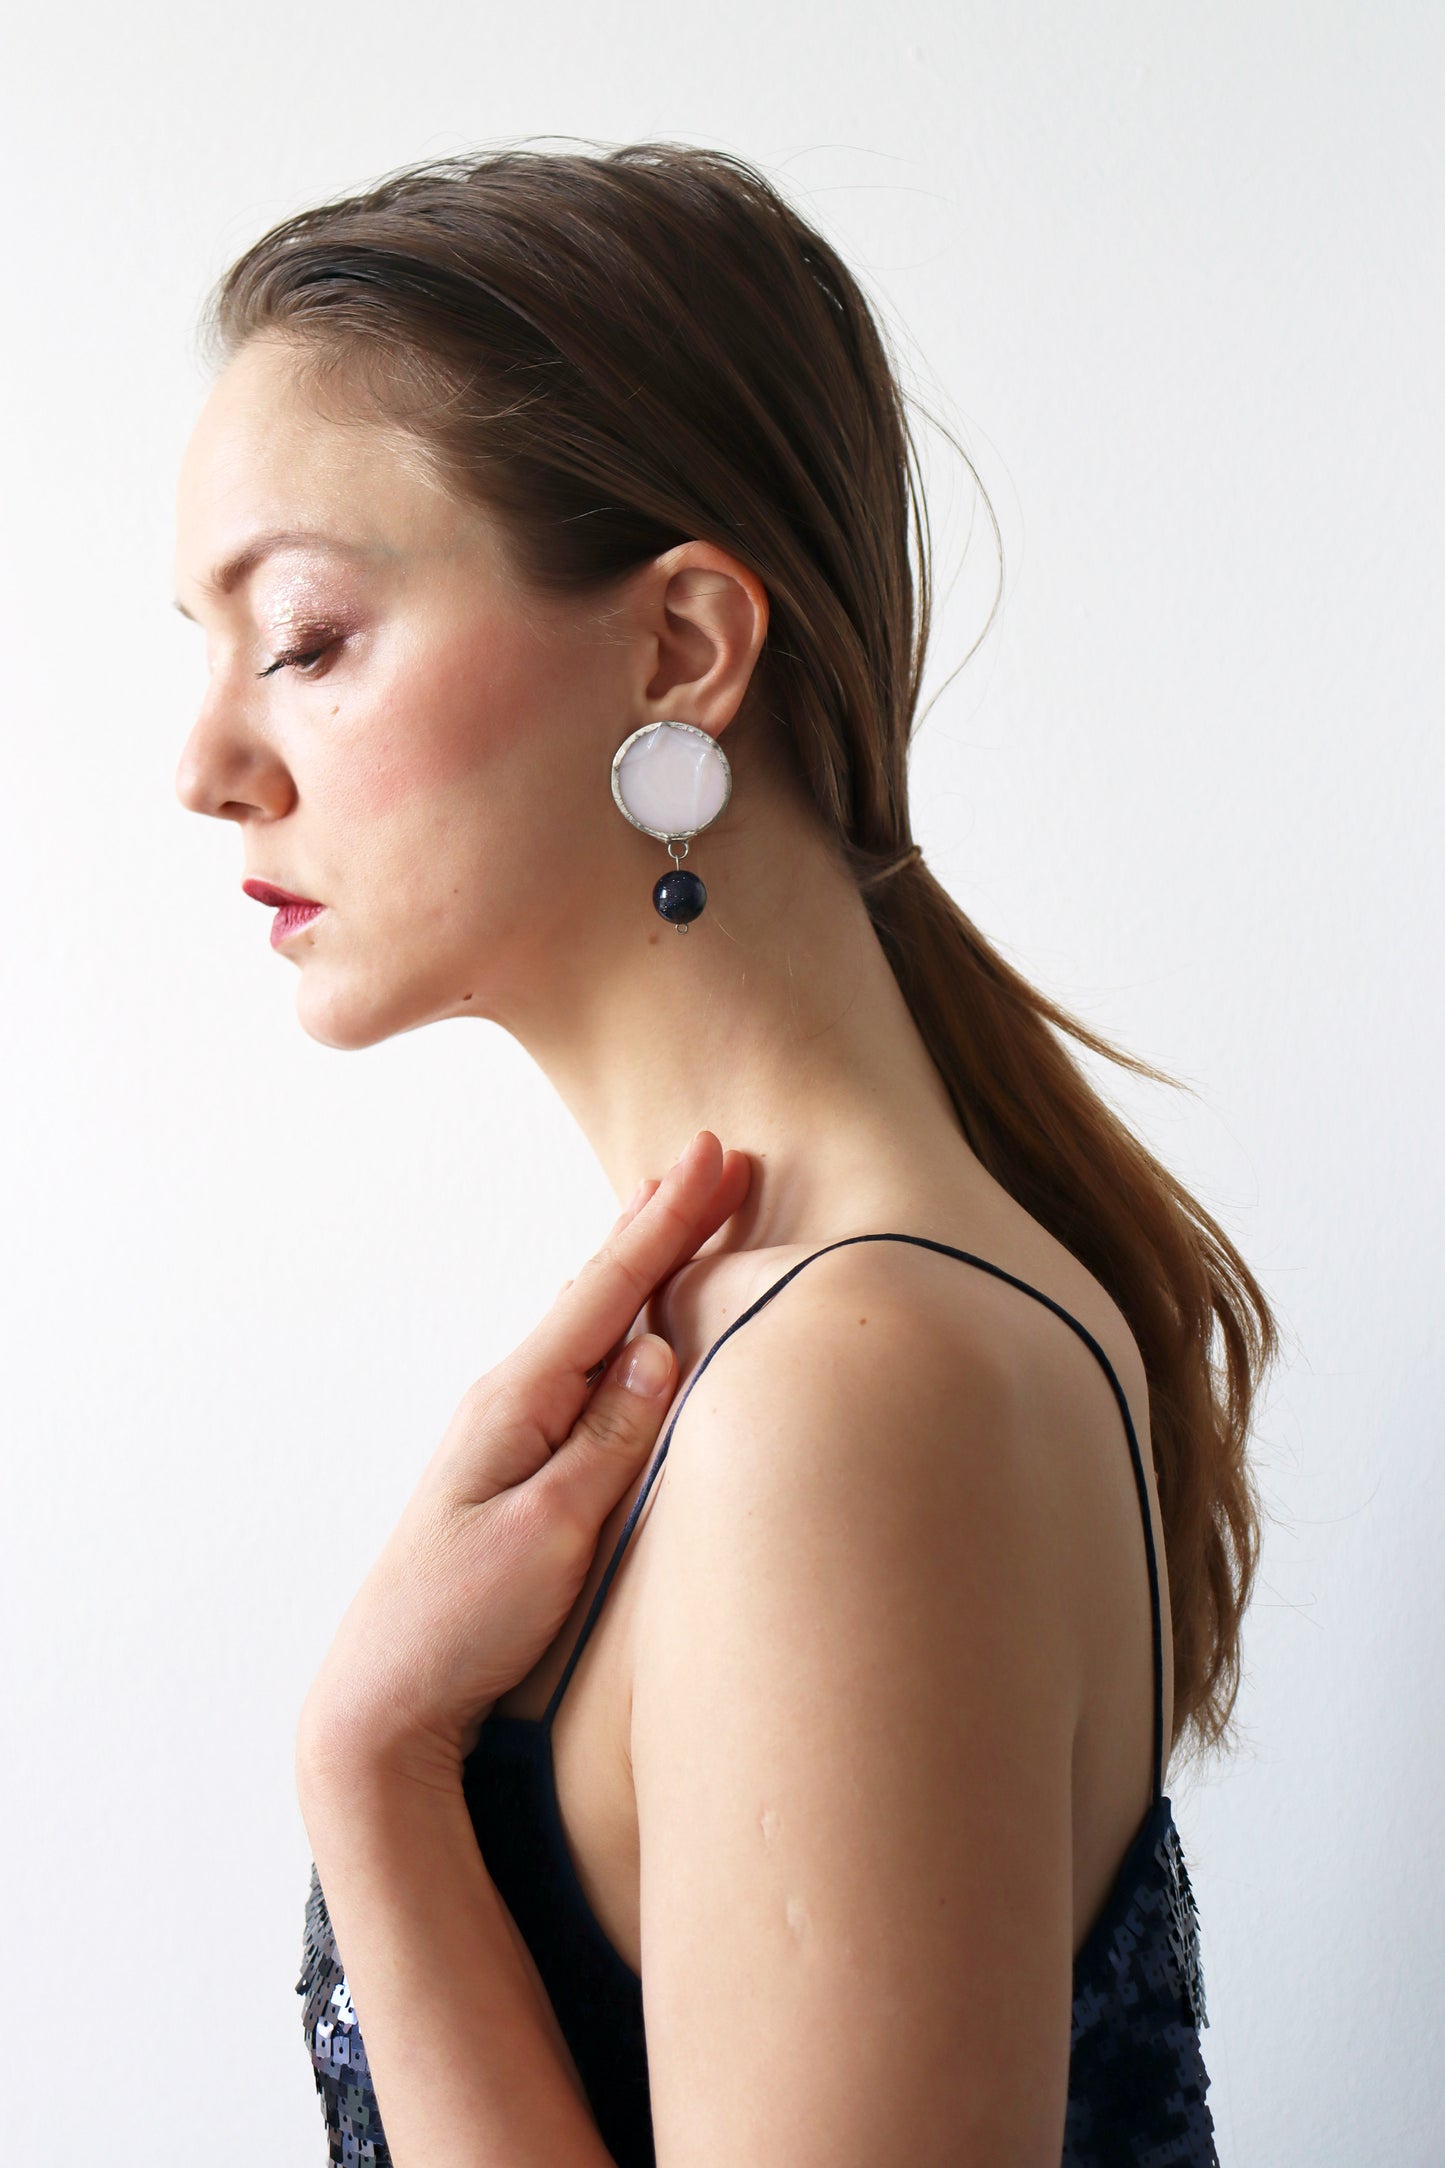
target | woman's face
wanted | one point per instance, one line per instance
(399, 731)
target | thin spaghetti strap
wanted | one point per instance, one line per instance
(967, 1257)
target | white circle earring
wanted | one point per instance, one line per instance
(671, 780)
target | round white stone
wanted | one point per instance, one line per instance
(673, 781)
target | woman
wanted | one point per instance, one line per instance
(549, 518)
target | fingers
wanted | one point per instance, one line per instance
(649, 1240)
(612, 1437)
(645, 1189)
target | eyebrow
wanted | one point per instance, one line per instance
(229, 575)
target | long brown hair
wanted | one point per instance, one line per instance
(618, 352)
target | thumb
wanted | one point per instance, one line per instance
(616, 1430)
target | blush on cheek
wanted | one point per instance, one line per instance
(457, 723)
(406, 758)
(454, 720)
(383, 781)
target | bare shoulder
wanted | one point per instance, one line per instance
(944, 1416)
(880, 1379)
(888, 1419)
(881, 1358)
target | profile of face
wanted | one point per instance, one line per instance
(405, 732)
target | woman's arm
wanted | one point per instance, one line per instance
(468, 2059)
(855, 1697)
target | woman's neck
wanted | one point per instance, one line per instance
(775, 1021)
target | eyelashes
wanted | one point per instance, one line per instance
(302, 659)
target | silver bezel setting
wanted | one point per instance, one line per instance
(669, 835)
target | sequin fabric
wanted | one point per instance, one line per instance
(333, 2040)
(1137, 2080)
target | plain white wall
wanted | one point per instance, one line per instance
(1174, 273)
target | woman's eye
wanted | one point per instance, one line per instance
(297, 658)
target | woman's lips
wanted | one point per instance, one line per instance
(268, 892)
(290, 918)
(292, 912)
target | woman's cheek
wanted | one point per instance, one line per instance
(466, 720)
(466, 728)
(413, 751)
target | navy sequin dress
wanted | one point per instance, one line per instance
(1137, 2081)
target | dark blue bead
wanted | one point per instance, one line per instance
(679, 897)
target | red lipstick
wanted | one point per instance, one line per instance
(268, 892)
(292, 912)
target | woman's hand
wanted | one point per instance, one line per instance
(488, 1558)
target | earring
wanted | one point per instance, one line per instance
(670, 780)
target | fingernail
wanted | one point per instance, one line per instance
(646, 1366)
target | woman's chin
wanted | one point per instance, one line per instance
(346, 1020)
(349, 1017)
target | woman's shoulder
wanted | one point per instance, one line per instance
(891, 1397)
(886, 1382)
(1020, 1311)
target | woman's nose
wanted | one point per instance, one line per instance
(226, 770)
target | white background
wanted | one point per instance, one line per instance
(1175, 275)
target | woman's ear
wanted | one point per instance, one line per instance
(706, 616)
